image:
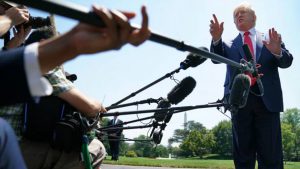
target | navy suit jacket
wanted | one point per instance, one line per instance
(13, 85)
(118, 132)
(272, 97)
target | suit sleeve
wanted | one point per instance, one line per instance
(13, 86)
(287, 58)
(217, 49)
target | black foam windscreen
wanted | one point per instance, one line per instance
(239, 91)
(193, 60)
(181, 90)
(163, 103)
(196, 59)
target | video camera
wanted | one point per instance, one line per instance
(34, 22)
(37, 22)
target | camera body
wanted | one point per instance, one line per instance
(37, 22)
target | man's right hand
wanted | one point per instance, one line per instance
(216, 29)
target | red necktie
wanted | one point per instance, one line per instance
(248, 41)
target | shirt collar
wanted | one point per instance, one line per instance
(252, 32)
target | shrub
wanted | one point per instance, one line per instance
(130, 154)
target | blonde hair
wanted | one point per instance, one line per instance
(244, 6)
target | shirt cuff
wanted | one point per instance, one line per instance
(215, 43)
(278, 56)
(38, 85)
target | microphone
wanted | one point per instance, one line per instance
(162, 103)
(193, 60)
(254, 73)
(239, 92)
(250, 59)
(157, 136)
(181, 90)
(176, 95)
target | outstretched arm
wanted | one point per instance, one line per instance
(86, 39)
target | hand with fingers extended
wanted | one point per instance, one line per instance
(216, 28)
(88, 39)
(274, 43)
(91, 39)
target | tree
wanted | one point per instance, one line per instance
(288, 141)
(143, 148)
(180, 134)
(198, 143)
(160, 151)
(223, 138)
(292, 117)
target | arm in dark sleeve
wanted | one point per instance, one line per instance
(13, 86)
(287, 58)
(217, 49)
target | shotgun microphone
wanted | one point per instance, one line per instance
(176, 95)
(193, 60)
(239, 92)
(181, 90)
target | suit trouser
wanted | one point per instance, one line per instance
(114, 149)
(256, 135)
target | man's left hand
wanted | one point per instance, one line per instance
(274, 44)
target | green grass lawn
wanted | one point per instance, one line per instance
(184, 163)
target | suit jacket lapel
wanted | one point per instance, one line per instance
(238, 42)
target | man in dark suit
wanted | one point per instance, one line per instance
(256, 127)
(114, 137)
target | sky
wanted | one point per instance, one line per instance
(113, 75)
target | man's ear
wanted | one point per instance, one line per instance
(254, 18)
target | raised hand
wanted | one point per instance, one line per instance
(216, 29)
(91, 39)
(274, 44)
(138, 36)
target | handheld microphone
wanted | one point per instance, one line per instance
(239, 92)
(193, 60)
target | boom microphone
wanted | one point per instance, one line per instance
(193, 60)
(181, 90)
(239, 92)
(176, 95)
(163, 103)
